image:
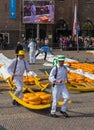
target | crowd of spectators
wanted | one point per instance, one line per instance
(65, 43)
(70, 42)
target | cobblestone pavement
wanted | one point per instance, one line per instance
(81, 111)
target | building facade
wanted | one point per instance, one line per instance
(15, 29)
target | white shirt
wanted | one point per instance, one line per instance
(33, 10)
(20, 68)
(32, 45)
(61, 74)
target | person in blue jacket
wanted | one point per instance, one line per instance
(44, 49)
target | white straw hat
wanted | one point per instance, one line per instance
(61, 58)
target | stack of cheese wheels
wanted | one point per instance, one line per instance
(29, 80)
(31, 99)
(45, 97)
(37, 98)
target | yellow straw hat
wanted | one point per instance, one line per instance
(21, 52)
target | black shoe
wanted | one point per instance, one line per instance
(17, 104)
(53, 115)
(14, 102)
(64, 114)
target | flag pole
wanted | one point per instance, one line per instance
(77, 35)
(77, 42)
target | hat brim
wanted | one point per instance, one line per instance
(20, 54)
(61, 60)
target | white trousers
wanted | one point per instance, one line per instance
(19, 85)
(56, 91)
(32, 56)
(32, 18)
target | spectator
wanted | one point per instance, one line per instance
(46, 41)
(18, 48)
(37, 43)
(60, 43)
(1, 42)
(64, 43)
(5, 41)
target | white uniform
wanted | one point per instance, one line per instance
(32, 50)
(33, 13)
(59, 88)
(51, 10)
(22, 65)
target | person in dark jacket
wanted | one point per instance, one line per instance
(18, 48)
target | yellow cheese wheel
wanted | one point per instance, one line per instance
(45, 96)
(35, 103)
(25, 100)
(34, 98)
(40, 93)
(27, 95)
(46, 101)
